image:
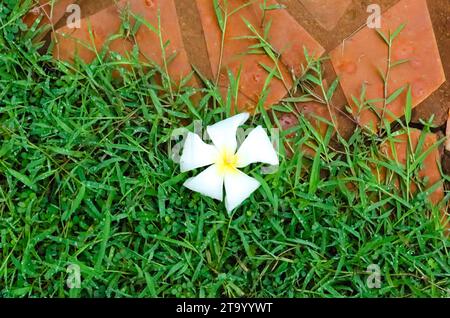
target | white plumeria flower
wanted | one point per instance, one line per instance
(224, 161)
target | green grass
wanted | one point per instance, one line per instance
(86, 179)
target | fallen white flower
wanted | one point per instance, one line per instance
(224, 161)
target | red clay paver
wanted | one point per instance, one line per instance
(285, 36)
(357, 60)
(398, 149)
(51, 12)
(107, 22)
(313, 112)
(327, 12)
(288, 37)
(88, 41)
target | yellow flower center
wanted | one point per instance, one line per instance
(227, 162)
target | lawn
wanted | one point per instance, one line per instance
(87, 180)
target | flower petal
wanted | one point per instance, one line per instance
(223, 133)
(208, 183)
(256, 148)
(196, 153)
(238, 187)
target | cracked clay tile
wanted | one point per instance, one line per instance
(357, 59)
(107, 22)
(286, 38)
(327, 12)
(397, 149)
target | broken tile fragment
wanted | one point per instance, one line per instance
(285, 36)
(90, 7)
(316, 113)
(88, 41)
(359, 60)
(398, 149)
(96, 32)
(327, 12)
(312, 111)
(50, 10)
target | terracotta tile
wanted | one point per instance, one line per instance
(315, 113)
(312, 111)
(327, 12)
(51, 14)
(90, 7)
(429, 168)
(78, 42)
(107, 22)
(357, 59)
(286, 37)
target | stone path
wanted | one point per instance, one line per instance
(414, 58)
(305, 14)
(358, 54)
